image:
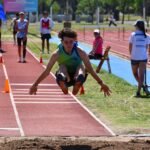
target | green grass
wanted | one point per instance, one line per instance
(121, 111)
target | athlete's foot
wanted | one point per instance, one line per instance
(24, 61)
(2, 51)
(19, 61)
(63, 87)
(76, 88)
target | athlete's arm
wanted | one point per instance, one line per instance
(45, 73)
(130, 48)
(90, 69)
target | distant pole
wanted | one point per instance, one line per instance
(98, 10)
(144, 10)
(67, 7)
(51, 12)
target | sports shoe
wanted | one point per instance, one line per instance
(138, 94)
(24, 61)
(2, 51)
(145, 89)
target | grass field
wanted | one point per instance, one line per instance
(122, 112)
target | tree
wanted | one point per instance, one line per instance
(88, 7)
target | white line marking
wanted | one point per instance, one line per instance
(27, 93)
(45, 102)
(50, 99)
(39, 90)
(43, 96)
(11, 129)
(28, 84)
(14, 106)
(91, 113)
(84, 107)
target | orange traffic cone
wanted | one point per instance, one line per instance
(41, 59)
(82, 90)
(1, 58)
(6, 86)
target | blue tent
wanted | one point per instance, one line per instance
(2, 13)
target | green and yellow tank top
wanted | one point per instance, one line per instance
(71, 61)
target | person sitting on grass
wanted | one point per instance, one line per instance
(97, 50)
(71, 71)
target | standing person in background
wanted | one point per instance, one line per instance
(1, 51)
(46, 24)
(112, 21)
(13, 24)
(97, 50)
(138, 48)
(0, 33)
(22, 30)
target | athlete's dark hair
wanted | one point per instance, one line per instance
(67, 33)
(141, 26)
(17, 14)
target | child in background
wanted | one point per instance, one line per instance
(97, 50)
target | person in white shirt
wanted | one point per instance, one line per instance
(139, 43)
(22, 31)
(46, 24)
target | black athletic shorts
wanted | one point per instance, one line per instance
(137, 62)
(95, 56)
(72, 80)
(20, 40)
(45, 36)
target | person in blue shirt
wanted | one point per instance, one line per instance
(139, 43)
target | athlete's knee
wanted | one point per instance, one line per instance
(60, 77)
(80, 78)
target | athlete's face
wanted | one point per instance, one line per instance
(21, 16)
(68, 43)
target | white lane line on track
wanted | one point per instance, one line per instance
(50, 99)
(10, 129)
(43, 96)
(28, 84)
(41, 93)
(13, 104)
(22, 102)
(52, 92)
(38, 90)
(82, 105)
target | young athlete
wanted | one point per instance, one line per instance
(71, 70)
(0, 33)
(1, 50)
(13, 24)
(46, 24)
(97, 50)
(138, 49)
(22, 30)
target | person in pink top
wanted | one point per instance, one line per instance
(97, 50)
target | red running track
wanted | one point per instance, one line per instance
(49, 113)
